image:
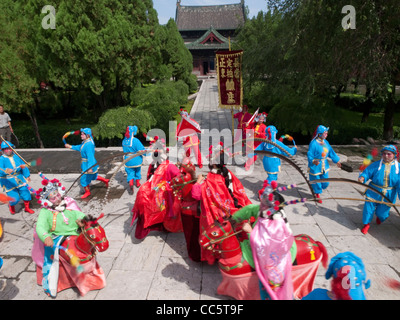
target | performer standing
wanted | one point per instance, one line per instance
(87, 150)
(318, 153)
(131, 145)
(5, 124)
(272, 165)
(14, 177)
(190, 209)
(187, 130)
(259, 132)
(384, 176)
(243, 117)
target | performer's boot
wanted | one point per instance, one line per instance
(138, 183)
(378, 221)
(364, 230)
(104, 180)
(12, 209)
(87, 192)
(318, 197)
(27, 209)
(131, 183)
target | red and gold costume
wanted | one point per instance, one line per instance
(155, 206)
(243, 117)
(259, 132)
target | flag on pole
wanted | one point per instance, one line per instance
(229, 70)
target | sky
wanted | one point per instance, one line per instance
(166, 8)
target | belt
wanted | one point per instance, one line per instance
(381, 187)
(4, 127)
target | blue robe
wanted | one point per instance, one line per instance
(87, 150)
(320, 150)
(132, 167)
(14, 184)
(384, 179)
(272, 165)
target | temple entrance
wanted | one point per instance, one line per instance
(205, 67)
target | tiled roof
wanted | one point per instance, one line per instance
(211, 39)
(221, 17)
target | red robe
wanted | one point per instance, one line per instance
(155, 206)
(193, 143)
(242, 120)
(216, 202)
(259, 132)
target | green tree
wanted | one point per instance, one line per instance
(176, 56)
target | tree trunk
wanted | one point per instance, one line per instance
(388, 119)
(32, 116)
(367, 105)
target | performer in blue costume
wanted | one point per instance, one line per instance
(384, 176)
(348, 277)
(131, 145)
(87, 150)
(272, 165)
(14, 177)
(318, 153)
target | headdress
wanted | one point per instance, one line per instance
(130, 133)
(6, 144)
(42, 194)
(349, 272)
(261, 116)
(319, 130)
(393, 149)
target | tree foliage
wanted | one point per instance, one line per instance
(301, 48)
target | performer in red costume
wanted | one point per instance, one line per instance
(259, 132)
(155, 206)
(190, 209)
(187, 130)
(221, 195)
(243, 117)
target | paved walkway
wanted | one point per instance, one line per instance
(157, 268)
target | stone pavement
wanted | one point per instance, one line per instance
(157, 267)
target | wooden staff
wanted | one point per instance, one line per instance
(27, 163)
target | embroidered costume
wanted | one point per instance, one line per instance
(318, 153)
(131, 145)
(87, 150)
(384, 177)
(58, 219)
(243, 117)
(272, 165)
(155, 206)
(14, 178)
(348, 278)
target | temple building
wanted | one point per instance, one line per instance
(208, 29)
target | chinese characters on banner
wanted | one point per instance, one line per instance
(229, 68)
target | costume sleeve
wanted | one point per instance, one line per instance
(2, 167)
(292, 151)
(76, 147)
(369, 172)
(237, 115)
(246, 212)
(196, 191)
(43, 226)
(310, 153)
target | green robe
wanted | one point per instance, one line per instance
(252, 210)
(44, 223)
